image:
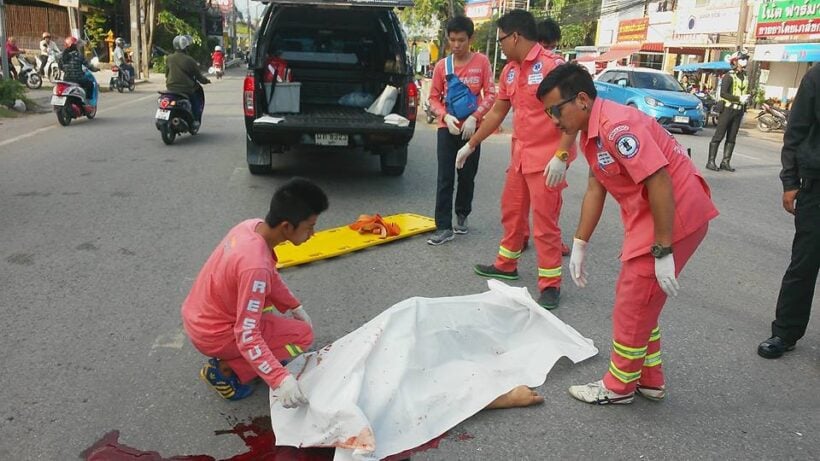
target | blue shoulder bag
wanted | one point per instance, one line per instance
(460, 101)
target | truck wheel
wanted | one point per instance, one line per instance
(258, 157)
(394, 160)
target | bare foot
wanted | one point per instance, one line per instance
(520, 396)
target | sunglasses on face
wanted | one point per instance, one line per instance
(555, 110)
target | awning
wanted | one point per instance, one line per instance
(714, 65)
(619, 51)
(652, 47)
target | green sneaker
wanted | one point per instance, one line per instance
(493, 272)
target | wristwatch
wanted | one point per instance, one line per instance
(659, 251)
(562, 155)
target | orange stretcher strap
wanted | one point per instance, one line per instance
(375, 224)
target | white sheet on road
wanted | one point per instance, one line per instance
(420, 368)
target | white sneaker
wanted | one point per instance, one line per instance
(652, 393)
(597, 394)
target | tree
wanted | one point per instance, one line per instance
(146, 22)
(426, 12)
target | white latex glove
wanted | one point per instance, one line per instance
(577, 269)
(744, 99)
(463, 153)
(452, 124)
(289, 393)
(555, 171)
(468, 128)
(665, 273)
(300, 313)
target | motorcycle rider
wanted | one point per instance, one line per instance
(734, 92)
(12, 50)
(218, 59)
(121, 60)
(72, 62)
(47, 48)
(182, 74)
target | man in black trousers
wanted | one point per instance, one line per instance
(801, 197)
(734, 94)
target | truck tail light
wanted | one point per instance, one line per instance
(412, 100)
(247, 95)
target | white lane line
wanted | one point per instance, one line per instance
(45, 128)
(172, 340)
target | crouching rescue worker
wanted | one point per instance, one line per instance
(228, 315)
(665, 208)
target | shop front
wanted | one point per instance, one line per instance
(788, 32)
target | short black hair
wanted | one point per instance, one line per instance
(296, 201)
(570, 79)
(549, 31)
(519, 21)
(461, 24)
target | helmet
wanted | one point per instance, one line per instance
(46, 35)
(217, 48)
(119, 41)
(737, 56)
(181, 42)
(70, 41)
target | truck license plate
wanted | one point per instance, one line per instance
(681, 119)
(58, 100)
(163, 114)
(331, 139)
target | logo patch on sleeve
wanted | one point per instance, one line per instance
(628, 145)
(537, 67)
(511, 76)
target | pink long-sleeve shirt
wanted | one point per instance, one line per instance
(476, 74)
(225, 303)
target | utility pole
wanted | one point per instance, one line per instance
(741, 25)
(248, 19)
(4, 59)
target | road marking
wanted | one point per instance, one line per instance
(45, 128)
(173, 340)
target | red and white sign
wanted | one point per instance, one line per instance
(479, 10)
(225, 6)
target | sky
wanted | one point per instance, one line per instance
(256, 7)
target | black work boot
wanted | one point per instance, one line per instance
(713, 148)
(728, 148)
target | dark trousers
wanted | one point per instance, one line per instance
(797, 289)
(43, 61)
(446, 150)
(728, 125)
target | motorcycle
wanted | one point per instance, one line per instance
(710, 111)
(69, 100)
(52, 68)
(28, 74)
(771, 118)
(175, 115)
(120, 80)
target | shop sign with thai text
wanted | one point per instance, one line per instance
(790, 17)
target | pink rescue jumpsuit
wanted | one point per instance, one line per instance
(534, 142)
(228, 312)
(623, 148)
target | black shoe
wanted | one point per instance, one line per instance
(461, 226)
(491, 271)
(549, 298)
(774, 347)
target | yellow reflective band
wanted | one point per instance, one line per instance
(508, 253)
(554, 272)
(655, 335)
(652, 360)
(623, 376)
(629, 353)
(268, 309)
(293, 349)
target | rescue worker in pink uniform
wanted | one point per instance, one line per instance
(229, 312)
(539, 150)
(665, 208)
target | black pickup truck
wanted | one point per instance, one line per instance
(334, 50)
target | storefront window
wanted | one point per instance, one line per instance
(651, 60)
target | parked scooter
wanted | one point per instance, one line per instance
(771, 118)
(175, 115)
(709, 108)
(28, 74)
(69, 100)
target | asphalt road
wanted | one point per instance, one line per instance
(103, 228)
